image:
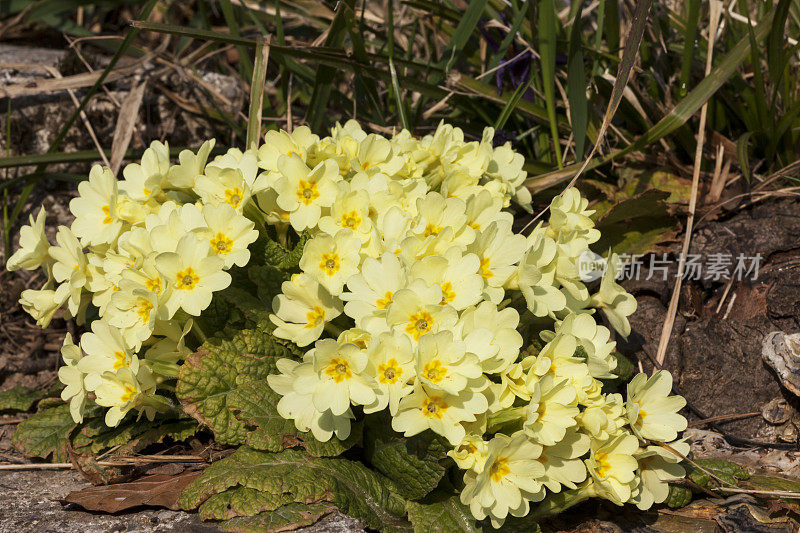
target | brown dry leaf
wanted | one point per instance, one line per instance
(159, 490)
(126, 122)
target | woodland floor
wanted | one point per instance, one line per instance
(714, 354)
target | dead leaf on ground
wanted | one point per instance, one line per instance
(157, 490)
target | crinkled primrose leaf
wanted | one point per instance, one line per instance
(223, 385)
(285, 518)
(446, 514)
(415, 464)
(46, 433)
(295, 476)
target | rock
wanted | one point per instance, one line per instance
(780, 353)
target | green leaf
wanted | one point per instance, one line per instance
(350, 486)
(548, 28)
(20, 398)
(285, 518)
(727, 471)
(635, 225)
(679, 496)
(323, 80)
(466, 26)
(576, 85)
(448, 515)
(94, 436)
(45, 433)
(224, 386)
(743, 154)
(280, 257)
(414, 464)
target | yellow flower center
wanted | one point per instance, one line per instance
(143, 310)
(389, 372)
(330, 264)
(153, 285)
(120, 360)
(434, 371)
(339, 370)
(499, 469)
(484, 270)
(129, 394)
(186, 279)
(384, 302)
(474, 225)
(233, 197)
(434, 407)
(448, 294)
(431, 230)
(419, 324)
(307, 192)
(107, 211)
(603, 465)
(221, 244)
(365, 165)
(315, 317)
(351, 220)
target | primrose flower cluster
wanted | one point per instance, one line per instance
(413, 295)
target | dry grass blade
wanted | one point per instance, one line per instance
(54, 85)
(666, 331)
(126, 122)
(257, 95)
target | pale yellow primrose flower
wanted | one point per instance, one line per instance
(562, 461)
(340, 371)
(613, 467)
(499, 251)
(192, 275)
(457, 275)
(441, 412)
(657, 465)
(122, 391)
(142, 181)
(390, 361)
(652, 412)
(191, 166)
(417, 310)
(617, 304)
(551, 411)
(106, 351)
(332, 260)
(491, 334)
(298, 405)
(510, 479)
(70, 269)
(443, 364)
(40, 304)
(303, 192)
(302, 309)
(229, 234)
(95, 210)
(33, 245)
(370, 291)
(69, 375)
(471, 453)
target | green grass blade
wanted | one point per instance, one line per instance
(512, 103)
(36, 176)
(743, 153)
(548, 29)
(323, 81)
(679, 114)
(519, 18)
(776, 59)
(398, 94)
(689, 36)
(611, 24)
(469, 20)
(758, 77)
(576, 86)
